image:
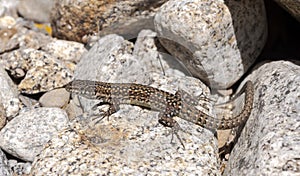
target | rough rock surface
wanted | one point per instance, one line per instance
(132, 141)
(216, 41)
(19, 168)
(8, 96)
(270, 142)
(121, 17)
(43, 71)
(65, 50)
(2, 116)
(17, 36)
(4, 169)
(25, 135)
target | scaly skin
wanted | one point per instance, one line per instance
(180, 104)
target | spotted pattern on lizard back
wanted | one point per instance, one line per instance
(180, 104)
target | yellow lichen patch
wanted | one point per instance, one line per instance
(44, 27)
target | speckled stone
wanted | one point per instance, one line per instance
(23, 37)
(75, 19)
(65, 50)
(2, 116)
(43, 71)
(216, 41)
(19, 167)
(114, 59)
(55, 98)
(110, 148)
(270, 142)
(25, 135)
(4, 169)
(132, 141)
(293, 7)
(8, 96)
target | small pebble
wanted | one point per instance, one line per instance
(55, 98)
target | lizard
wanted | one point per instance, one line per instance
(180, 104)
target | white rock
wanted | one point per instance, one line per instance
(25, 135)
(270, 142)
(65, 50)
(8, 94)
(4, 169)
(216, 41)
(132, 140)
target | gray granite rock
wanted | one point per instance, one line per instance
(126, 18)
(22, 37)
(55, 98)
(4, 168)
(65, 50)
(270, 142)
(36, 10)
(293, 7)
(43, 71)
(2, 116)
(143, 149)
(217, 41)
(131, 141)
(19, 168)
(8, 95)
(25, 135)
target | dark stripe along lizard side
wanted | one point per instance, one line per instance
(180, 104)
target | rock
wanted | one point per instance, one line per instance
(25, 135)
(73, 109)
(8, 96)
(2, 116)
(24, 38)
(132, 141)
(65, 50)
(216, 41)
(120, 151)
(293, 7)
(269, 144)
(7, 22)
(9, 8)
(104, 17)
(43, 71)
(6, 35)
(29, 103)
(55, 98)
(19, 168)
(4, 169)
(35, 10)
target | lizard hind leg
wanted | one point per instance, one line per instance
(175, 128)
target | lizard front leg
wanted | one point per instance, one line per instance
(114, 106)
